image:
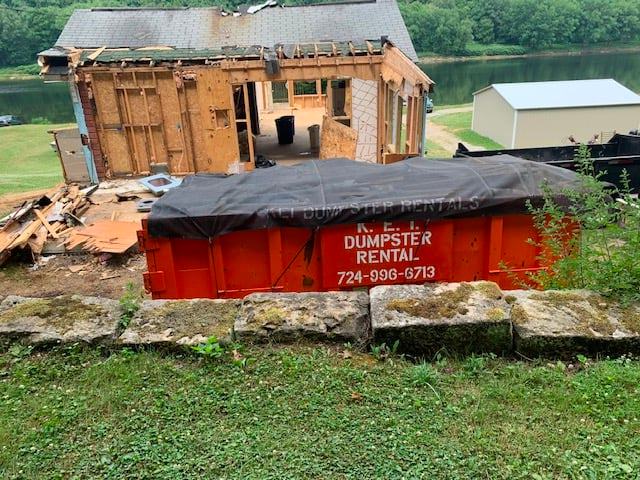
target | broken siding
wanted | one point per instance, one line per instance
(89, 112)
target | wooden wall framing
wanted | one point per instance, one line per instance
(184, 117)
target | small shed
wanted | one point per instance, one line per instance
(543, 114)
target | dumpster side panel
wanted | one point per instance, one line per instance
(342, 257)
(368, 254)
(242, 261)
(300, 261)
(469, 252)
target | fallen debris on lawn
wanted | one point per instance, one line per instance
(105, 236)
(52, 216)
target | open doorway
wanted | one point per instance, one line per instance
(299, 107)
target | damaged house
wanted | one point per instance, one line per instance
(199, 89)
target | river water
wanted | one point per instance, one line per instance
(456, 81)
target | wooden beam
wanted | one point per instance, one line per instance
(380, 136)
(398, 119)
(247, 112)
(364, 67)
(409, 127)
(290, 93)
(46, 224)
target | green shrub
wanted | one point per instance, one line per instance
(129, 304)
(476, 49)
(40, 121)
(604, 257)
(31, 69)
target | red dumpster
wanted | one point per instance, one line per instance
(339, 224)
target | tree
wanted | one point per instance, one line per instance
(436, 29)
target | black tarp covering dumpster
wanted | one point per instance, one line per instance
(327, 192)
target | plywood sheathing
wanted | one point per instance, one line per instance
(105, 236)
(217, 115)
(337, 140)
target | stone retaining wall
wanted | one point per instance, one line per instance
(455, 318)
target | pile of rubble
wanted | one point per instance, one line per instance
(54, 223)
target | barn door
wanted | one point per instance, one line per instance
(217, 116)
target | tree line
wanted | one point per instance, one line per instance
(451, 27)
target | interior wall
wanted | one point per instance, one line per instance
(365, 118)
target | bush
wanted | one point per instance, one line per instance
(604, 257)
(40, 121)
(476, 49)
(32, 69)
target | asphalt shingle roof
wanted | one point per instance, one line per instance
(565, 94)
(202, 28)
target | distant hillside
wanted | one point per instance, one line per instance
(450, 27)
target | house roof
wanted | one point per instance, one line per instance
(206, 28)
(299, 51)
(564, 94)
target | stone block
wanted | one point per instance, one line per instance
(455, 318)
(287, 317)
(181, 322)
(63, 319)
(563, 323)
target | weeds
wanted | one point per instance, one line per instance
(129, 304)
(383, 351)
(603, 257)
(213, 349)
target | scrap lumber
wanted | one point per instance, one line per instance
(34, 222)
(105, 236)
(46, 224)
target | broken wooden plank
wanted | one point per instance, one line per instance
(37, 240)
(105, 236)
(46, 224)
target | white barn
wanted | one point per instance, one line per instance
(542, 114)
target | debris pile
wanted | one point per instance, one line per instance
(54, 223)
(105, 236)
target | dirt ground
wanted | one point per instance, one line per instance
(440, 135)
(19, 276)
(78, 273)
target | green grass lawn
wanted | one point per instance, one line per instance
(459, 124)
(311, 413)
(27, 161)
(436, 151)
